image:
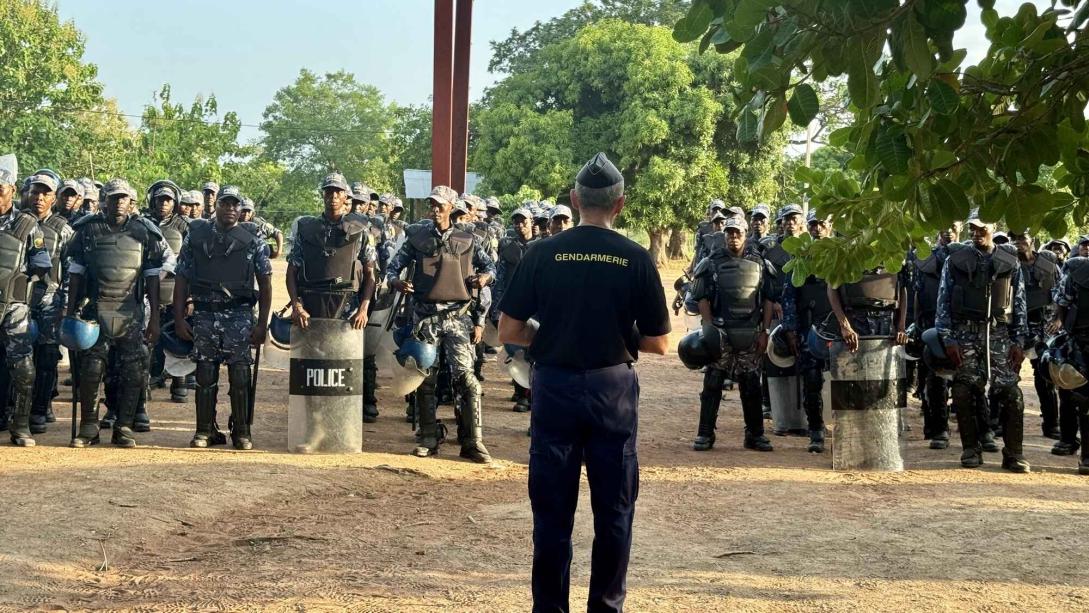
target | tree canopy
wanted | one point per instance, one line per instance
(930, 138)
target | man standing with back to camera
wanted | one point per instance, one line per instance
(599, 301)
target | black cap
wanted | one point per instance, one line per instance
(598, 173)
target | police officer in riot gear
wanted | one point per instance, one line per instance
(981, 304)
(1072, 316)
(935, 389)
(1040, 273)
(163, 197)
(69, 199)
(449, 262)
(730, 286)
(23, 258)
(116, 260)
(512, 248)
(803, 308)
(47, 304)
(220, 263)
(268, 232)
(758, 223)
(792, 224)
(708, 240)
(330, 268)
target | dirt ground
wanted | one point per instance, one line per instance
(164, 527)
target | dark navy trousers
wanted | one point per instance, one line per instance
(581, 416)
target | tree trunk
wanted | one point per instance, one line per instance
(658, 246)
(676, 244)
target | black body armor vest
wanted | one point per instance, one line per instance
(1039, 281)
(14, 283)
(222, 268)
(982, 284)
(443, 267)
(114, 276)
(874, 292)
(738, 298)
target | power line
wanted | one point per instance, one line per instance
(210, 123)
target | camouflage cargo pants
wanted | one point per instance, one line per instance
(223, 336)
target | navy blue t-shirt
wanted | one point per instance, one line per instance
(591, 289)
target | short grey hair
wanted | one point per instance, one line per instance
(598, 197)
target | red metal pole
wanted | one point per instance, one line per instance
(459, 130)
(443, 84)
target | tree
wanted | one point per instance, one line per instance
(320, 124)
(622, 88)
(51, 106)
(518, 51)
(929, 138)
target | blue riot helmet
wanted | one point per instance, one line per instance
(914, 348)
(77, 334)
(819, 343)
(415, 354)
(279, 329)
(172, 343)
(1065, 362)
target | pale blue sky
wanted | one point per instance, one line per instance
(244, 50)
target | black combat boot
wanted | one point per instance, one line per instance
(705, 434)
(90, 375)
(427, 432)
(19, 427)
(751, 395)
(207, 389)
(964, 402)
(129, 399)
(370, 385)
(816, 441)
(1013, 415)
(940, 441)
(472, 440)
(179, 393)
(240, 377)
(142, 422)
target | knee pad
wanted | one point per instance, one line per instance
(749, 387)
(1009, 398)
(91, 368)
(714, 378)
(962, 396)
(239, 376)
(468, 382)
(207, 374)
(22, 372)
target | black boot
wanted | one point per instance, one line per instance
(45, 379)
(179, 393)
(141, 422)
(816, 442)
(710, 403)
(90, 370)
(22, 389)
(472, 440)
(370, 385)
(964, 402)
(427, 432)
(239, 376)
(206, 392)
(751, 397)
(1012, 406)
(129, 399)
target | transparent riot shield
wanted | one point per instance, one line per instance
(324, 411)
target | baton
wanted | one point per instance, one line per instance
(73, 357)
(253, 385)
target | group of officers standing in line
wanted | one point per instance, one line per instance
(968, 314)
(80, 267)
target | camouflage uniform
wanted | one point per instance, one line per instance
(221, 283)
(447, 324)
(740, 365)
(971, 335)
(1071, 294)
(48, 297)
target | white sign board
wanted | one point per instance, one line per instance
(418, 183)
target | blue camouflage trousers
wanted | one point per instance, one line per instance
(223, 336)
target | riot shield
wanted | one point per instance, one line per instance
(10, 163)
(324, 413)
(516, 367)
(864, 387)
(787, 412)
(178, 367)
(491, 334)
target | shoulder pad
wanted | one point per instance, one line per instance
(703, 267)
(1048, 260)
(420, 226)
(151, 227)
(86, 220)
(702, 227)
(955, 247)
(930, 265)
(355, 223)
(245, 232)
(56, 222)
(1076, 263)
(24, 224)
(1007, 254)
(714, 241)
(768, 241)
